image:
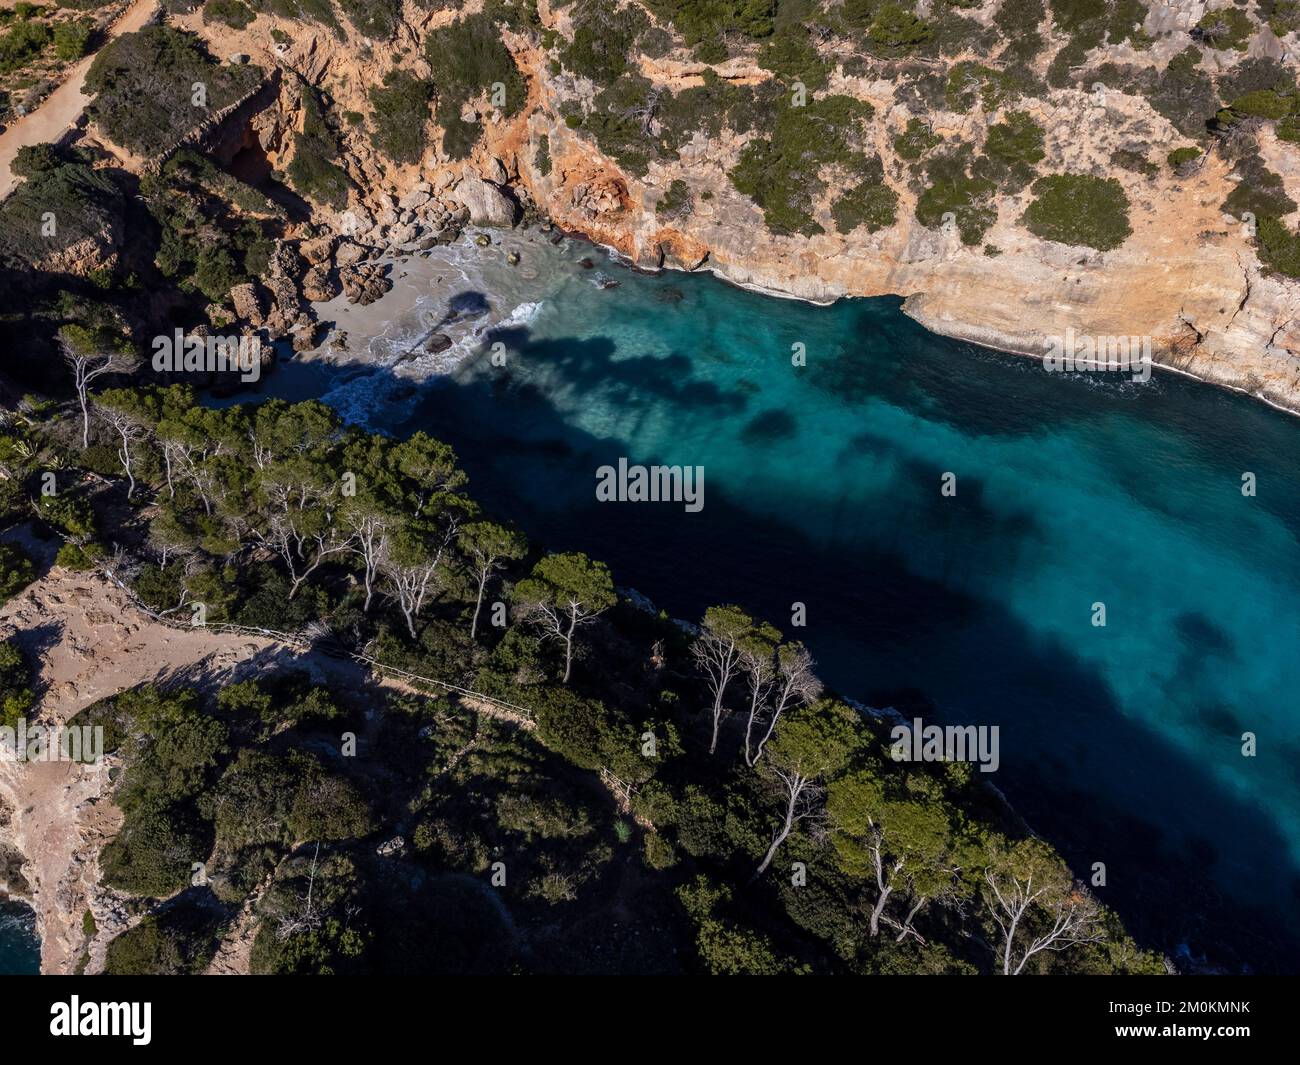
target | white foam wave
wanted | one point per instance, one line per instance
(377, 395)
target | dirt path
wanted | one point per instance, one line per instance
(63, 107)
(88, 641)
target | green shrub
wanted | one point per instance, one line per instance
(304, 10)
(1018, 22)
(1069, 15)
(1184, 94)
(1228, 27)
(1279, 248)
(72, 37)
(917, 139)
(603, 34)
(618, 131)
(1134, 161)
(1262, 103)
(232, 13)
(469, 60)
(1014, 146)
(542, 158)
(780, 172)
(400, 113)
(1079, 209)
(313, 171)
(954, 188)
(676, 201)
(84, 202)
(16, 696)
(791, 56)
(22, 44)
(376, 19)
(1257, 190)
(1282, 16)
(896, 31)
(1180, 157)
(178, 942)
(143, 85)
(709, 20)
(872, 204)
(202, 246)
(659, 853)
(969, 81)
(79, 557)
(36, 159)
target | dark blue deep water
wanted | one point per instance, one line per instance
(20, 950)
(1121, 744)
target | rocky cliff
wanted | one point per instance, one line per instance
(1189, 273)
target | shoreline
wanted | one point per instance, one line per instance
(1008, 349)
(1003, 346)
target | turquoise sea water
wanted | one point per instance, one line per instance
(1122, 744)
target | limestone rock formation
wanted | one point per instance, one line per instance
(486, 203)
(365, 282)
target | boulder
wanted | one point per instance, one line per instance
(349, 253)
(487, 205)
(417, 197)
(365, 282)
(304, 334)
(317, 251)
(404, 234)
(319, 285)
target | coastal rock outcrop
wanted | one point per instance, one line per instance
(486, 203)
(319, 285)
(1184, 277)
(365, 282)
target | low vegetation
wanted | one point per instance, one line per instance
(314, 170)
(1079, 209)
(470, 62)
(400, 115)
(154, 87)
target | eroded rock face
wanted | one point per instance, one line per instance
(486, 203)
(248, 304)
(603, 197)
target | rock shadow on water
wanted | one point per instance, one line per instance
(590, 366)
(769, 427)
